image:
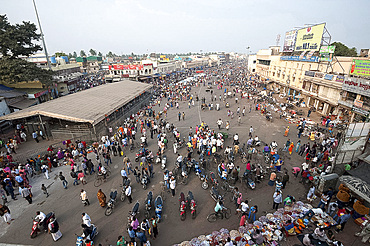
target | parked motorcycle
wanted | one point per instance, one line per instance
(158, 203)
(182, 206)
(192, 204)
(110, 204)
(44, 224)
(148, 204)
(248, 182)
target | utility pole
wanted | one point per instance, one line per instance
(42, 36)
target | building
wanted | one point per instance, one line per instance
(90, 64)
(67, 77)
(87, 114)
(317, 84)
(252, 63)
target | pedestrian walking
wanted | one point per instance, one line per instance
(173, 185)
(3, 196)
(75, 177)
(53, 227)
(183, 115)
(102, 198)
(128, 193)
(63, 179)
(34, 136)
(286, 131)
(5, 213)
(84, 197)
(26, 194)
(285, 179)
(45, 170)
(179, 116)
(140, 234)
(278, 198)
(124, 175)
(131, 234)
(155, 227)
(121, 241)
(44, 190)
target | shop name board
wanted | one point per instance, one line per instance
(298, 58)
(328, 76)
(309, 73)
(126, 67)
(360, 111)
(339, 78)
(358, 86)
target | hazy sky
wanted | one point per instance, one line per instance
(170, 26)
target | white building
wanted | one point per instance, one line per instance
(252, 63)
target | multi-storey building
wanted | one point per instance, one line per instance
(317, 84)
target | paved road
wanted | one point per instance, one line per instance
(68, 207)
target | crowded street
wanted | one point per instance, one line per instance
(221, 120)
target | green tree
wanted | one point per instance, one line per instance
(92, 52)
(74, 54)
(110, 54)
(58, 54)
(70, 55)
(15, 41)
(82, 53)
(343, 50)
(100, 54)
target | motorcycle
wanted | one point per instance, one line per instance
(110, 204)
(148, 204)
(134, 212)
(36, 224)
(81, 240)
(182, 206)
(267, 157)
(144, 181)
(215, 194)
(140, 154)
(123, 191)
(158, 203)
(163, 162)
(201, 175)
(247, 181)
(192, 204)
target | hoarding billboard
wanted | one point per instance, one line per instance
(309, 38)
(327, 52)
(289, 41)
(360, 68)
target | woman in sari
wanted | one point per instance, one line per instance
(102, 198)
(286, 132)
(291, 148)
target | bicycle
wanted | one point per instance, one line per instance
(99, 179)
(226, 212)
(164, 190)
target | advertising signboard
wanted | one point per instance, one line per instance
(339, 78)
(289, 41)
(298, 58)
(327, 52)
(309, 38)
(360, 68)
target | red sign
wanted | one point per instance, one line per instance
(200, 71)
(38, 94)
(126, 67)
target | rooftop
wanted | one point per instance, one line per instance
(86, 106)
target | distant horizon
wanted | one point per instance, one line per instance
(178, 26)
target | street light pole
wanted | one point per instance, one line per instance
(42, 36)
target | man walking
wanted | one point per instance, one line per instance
(44, 190)
(34, 136)
(285, 179)
(63, 179)
(84, 197)
(179, 116)
(128, 193)
(123, 175)
(278, 198)
(26, 194)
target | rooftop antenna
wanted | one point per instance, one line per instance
(278, 39)
(42, 36)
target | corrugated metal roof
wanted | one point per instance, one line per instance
(86, 106)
